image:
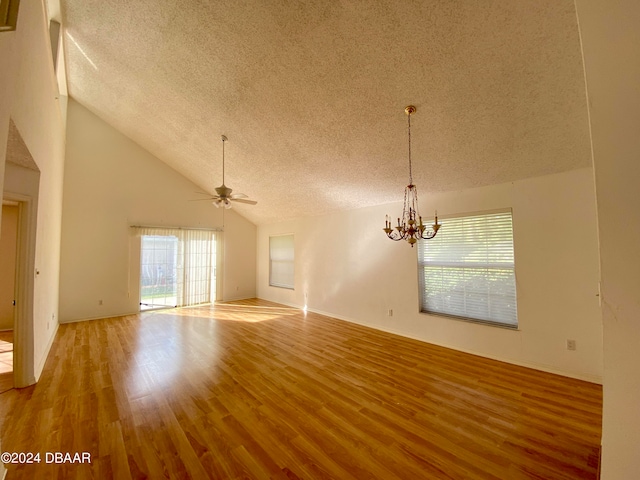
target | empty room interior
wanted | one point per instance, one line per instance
(155, 322)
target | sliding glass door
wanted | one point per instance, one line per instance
(177, 267)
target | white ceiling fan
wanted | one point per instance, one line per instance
(224, 196)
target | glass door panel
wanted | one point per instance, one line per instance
(158, 272)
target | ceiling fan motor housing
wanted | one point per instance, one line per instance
(223, 191)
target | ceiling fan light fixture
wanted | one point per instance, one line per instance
(222, 202)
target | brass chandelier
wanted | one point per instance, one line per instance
(410, 226)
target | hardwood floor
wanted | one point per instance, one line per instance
(256, 390)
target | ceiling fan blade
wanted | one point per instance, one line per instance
(242, 200)
(201, 199)
(238, 195)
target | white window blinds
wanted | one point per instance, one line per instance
(468, 271)
(281, 265)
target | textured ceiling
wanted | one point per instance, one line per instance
(312, 94)
(17, 151)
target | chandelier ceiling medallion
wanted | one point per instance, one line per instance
(410, 226)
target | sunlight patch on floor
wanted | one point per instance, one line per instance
(6, 357)
(234, 312)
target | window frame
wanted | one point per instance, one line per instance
(422, 264)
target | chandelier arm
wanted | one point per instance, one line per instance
(394, 235)
(396, 239)
(430, 234)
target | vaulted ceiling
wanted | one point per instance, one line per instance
(311, 94)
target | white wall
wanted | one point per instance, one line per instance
(29, 97)
(347, 268)
(239, 264)
(610, 38)
(8, 71)
(111, 183)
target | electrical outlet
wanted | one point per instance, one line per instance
(390, 313)
(571, 344)
(99, 302)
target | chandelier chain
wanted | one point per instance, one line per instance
(410, 174)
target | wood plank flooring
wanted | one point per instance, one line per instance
(256, 390)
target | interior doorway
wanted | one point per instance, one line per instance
(21, 188)
(8, 256)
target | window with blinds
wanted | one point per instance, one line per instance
(281, 266)
(467, 271)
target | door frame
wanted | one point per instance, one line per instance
(23, 333)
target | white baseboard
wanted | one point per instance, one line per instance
(236, 299)
(76, 320)
(43, 360)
